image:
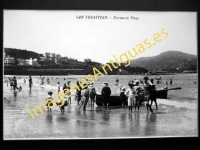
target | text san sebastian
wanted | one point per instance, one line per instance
(91, 17)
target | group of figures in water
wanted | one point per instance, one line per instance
(132, 96)
(129, 96)
(13, 83)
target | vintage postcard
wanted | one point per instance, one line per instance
(99, 74)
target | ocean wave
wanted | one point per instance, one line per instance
(188, 105)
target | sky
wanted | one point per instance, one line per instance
(62, 33)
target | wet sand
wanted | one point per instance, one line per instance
(177, 120)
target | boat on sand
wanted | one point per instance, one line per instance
(115, 100)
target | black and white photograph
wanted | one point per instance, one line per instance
(95, 74)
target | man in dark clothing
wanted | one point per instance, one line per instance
(153, 96)
(30, 82)
(170, 81)
(78, 93)
(106, 92)
(147, 93)
(11, 83)
(14, 83)
(64, 86)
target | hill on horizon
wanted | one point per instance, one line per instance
(172, 61)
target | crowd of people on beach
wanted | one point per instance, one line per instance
(82, 95)
(13, 83)
(130, 96)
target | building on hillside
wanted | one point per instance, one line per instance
(52, 56)
(9, 61)
(33, 62)
(23, 62)
(57, 58)
(42, 59)
(64, 59)
(46, 55)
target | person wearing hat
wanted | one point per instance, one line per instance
(137, 94)
(130, 93)
(106, 92)
(147, 93)
(92, 92)
(123, 97)
(49, 100)
(85, 96)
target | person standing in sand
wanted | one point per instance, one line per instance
(92, 93)
(137, 93)
(58, 87)
(14, 83)
(85, 96)
(123, 97)
(130, 93)
(11, 83)
(49, 100)
(147, 93)
(106, 92)
(78, 93)
(30, 82)
(64, 86)
(170, 81)
(42, 80)
(48, 81)
(153, 95)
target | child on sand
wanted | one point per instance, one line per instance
(123, 97)
(49, 100)
(92, 92)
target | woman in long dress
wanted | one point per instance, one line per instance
(130, 93)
